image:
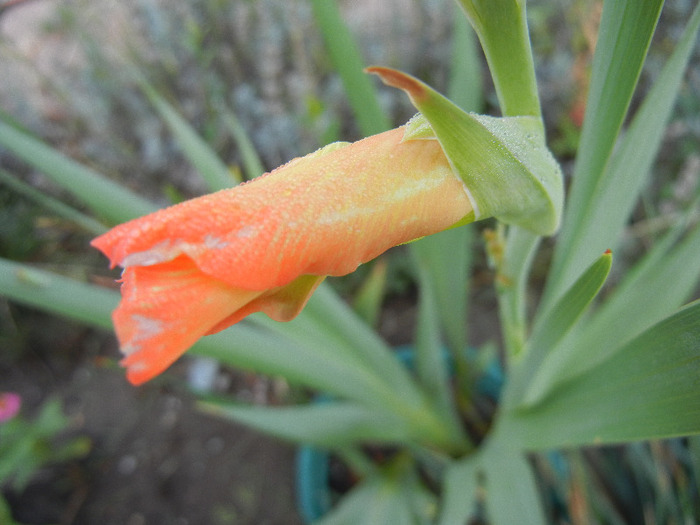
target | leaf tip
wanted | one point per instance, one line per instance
(394, 78)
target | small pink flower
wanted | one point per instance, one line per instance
(10, 404)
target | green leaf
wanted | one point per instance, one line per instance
(318, 365)
(624, 36)
(328, 322)
(104, 197)
(367, 302)
(348, 63)
(196, 150)
(552, 325)
(652, 290)
(504, 162)
(54, 205)
(393, 495)
(506, 481)
(432, 368)
(465, 85)
(57, 294)
(447, 259)
(459, 500)
(331, 424)
(251, 160)
(510, 487)
(646, 390)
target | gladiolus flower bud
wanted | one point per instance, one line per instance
(200, 266)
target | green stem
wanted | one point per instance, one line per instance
(502, 29)
(512, 68)
(519, 251)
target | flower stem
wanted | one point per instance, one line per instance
(512, 68)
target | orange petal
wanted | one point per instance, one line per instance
(323, 214)
(165, 309)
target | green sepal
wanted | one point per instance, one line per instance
(504, 162)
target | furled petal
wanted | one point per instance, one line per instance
(165, 308)
(323, 214)
(200, 266)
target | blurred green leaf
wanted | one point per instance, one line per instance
(465, 84)
(54, 205)
(367, 302)
(57, 294)
(329, 323)
(625, 32)
(104, 197)
(348, 62)
(646, 390)
(394, 496)
(330, 424)
(432, 367)
(251, 160)
(247, 348)
(447, 259)
(459, 500)
(196, 150)
(510, 487)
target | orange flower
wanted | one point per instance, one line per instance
(198, 267)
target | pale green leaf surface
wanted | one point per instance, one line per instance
(329, 322)
(430, 364)
(330, 424)
(511, 490)
(652, 290)
(207, 163)
(104, 197)
(392, 496)
(465, 84)
(447, 259)
(646, 390)
(625, 33)
(460, 491)
(317, 366)
(57, 294)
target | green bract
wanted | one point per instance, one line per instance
(504, 162)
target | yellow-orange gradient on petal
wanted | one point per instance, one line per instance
(265, 245)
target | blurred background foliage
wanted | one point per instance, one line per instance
(69, 73)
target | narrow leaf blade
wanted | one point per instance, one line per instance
(196, 150)
(332, 424)
(104, 197)
(625, 34)
(647, 390)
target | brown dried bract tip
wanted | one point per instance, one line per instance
(391, 77)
